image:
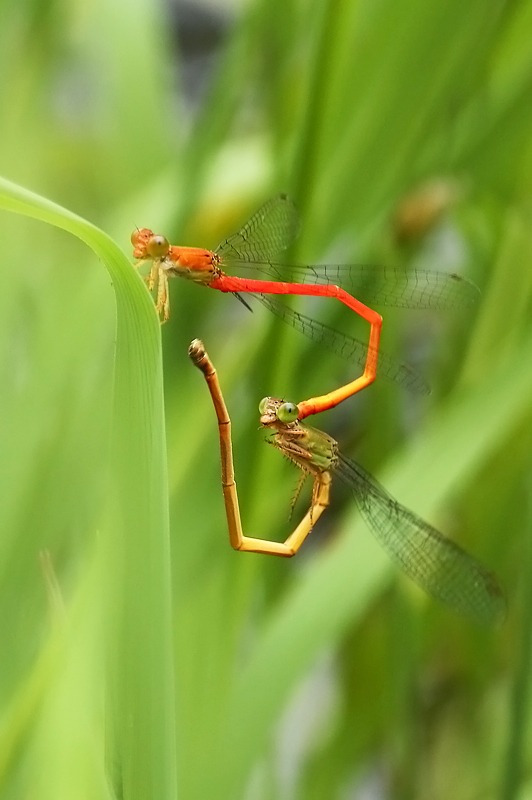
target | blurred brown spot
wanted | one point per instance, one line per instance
(422, 208)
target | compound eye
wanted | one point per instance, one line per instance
(287, 412)
(157, 246)
(263, 405)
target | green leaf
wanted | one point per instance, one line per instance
(135, 577)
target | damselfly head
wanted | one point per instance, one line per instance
(147, 244)
(272, 411)
(139, 239)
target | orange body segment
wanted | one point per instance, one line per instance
(315, 405)
(194, 258)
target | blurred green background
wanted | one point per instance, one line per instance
(402, 131)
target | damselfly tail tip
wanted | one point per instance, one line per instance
(196, 350)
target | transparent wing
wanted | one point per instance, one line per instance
(347, 347)
(387, 286)
(275, 226)
(268, 232)
(435, 563)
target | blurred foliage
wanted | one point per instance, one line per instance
(401, 129)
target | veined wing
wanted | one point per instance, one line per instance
(387, 286)
(434, 562)
(275, 226)
(268, 232)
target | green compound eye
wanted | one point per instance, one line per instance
(263, 405)
(288, 412)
